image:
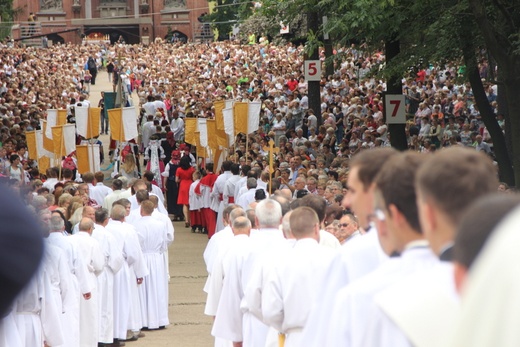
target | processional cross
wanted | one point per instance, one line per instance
(271, 149)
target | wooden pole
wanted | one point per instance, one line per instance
(89, 119)
(247, 147)
(121, 107)
(60, 154)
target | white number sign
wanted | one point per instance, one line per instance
(395, 112)
(312, 70)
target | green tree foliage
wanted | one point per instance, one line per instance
(440, 32)
(228, 13)
(7, 15)
(270, 25)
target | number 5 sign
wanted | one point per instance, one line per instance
(313, 70)
(395, 112)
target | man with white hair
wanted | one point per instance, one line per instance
(267, 242)
(248, 197)
(91, 254)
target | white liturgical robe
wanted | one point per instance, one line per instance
(113, 261)
(414, 311)
(90, 252)
(292, 286)
(351, 314)
(217, 197)
(153, 238)
(356, 259)
(124, 279)
(228, 320)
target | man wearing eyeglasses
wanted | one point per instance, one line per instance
(397, 223)
(359, 257)
(348, 229)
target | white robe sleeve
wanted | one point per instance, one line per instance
(272, 302)
(115, 258)
(228, 321)
(382, 332)
(50, 314)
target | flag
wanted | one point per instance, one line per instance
(123, 124)
(88, 158)
(88, 121)
(222, 140)
(240, 114)
(229, 127)
(253, 116)
(62, 117)
(229, 104)
(44, 163)
(52, 121)
(217, 160)
(64, 138)
(39, 145)
(212, 134)
(47, 143)
(219, 106)
(32, 145)
(203, 132)
(190, 129)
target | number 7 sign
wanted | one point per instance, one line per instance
(312, 70)
(395, 112)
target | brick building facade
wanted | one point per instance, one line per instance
(137, 21)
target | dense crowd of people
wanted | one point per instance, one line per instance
(327, 227)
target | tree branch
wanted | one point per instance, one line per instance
(489, 33)
(506, 14)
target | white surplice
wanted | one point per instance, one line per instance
(153, 238)
(70, 319)
(419, 311)
(268, 245)
(9, 335)
(354, 303)
(353, 261)
(36, 314)
(125, 278)
(329, 240)
(292, 286)
(228, 320)
(213, 248)
(228, 197)
(217, 194)
(113, 260)
(90, 252)
(55, 264)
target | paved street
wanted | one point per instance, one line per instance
(189, 327)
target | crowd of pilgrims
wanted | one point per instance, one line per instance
(104, 274)
(392, 265)
(343, 243)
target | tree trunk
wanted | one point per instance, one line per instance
(329, 63)
(397, 131)
(505, 168)
(313, 24)
(512, 89)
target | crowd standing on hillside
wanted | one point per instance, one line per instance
(336, 194)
